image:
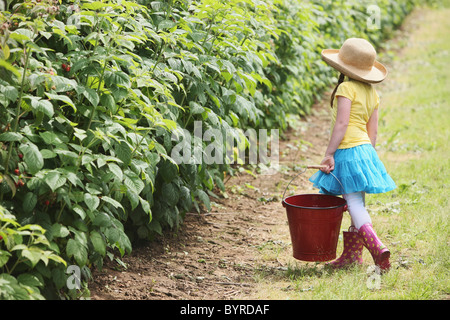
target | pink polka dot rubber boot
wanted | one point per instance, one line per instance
(352, 253)
(377, 249)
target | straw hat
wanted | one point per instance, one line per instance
(356, 59)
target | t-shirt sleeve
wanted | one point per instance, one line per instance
(345, 90)
(377, 100)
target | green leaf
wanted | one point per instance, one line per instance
(79, 210)
(43, 106)
(59, 277)
(170, 194)
(102, 220)
(123, 152)
(114, 168)
(10, 183)
(195, 108)
(166, 24)
(156, 227)
(134, 199)
(4, 257)
(228, 76)
(214, 98)
(32, 157)
(29, 280)
(33, 254)
(67, 153)
(18, 247)
(78, 251)
(96, 5)
(50, 137)
(79, 133)
(112, 234)
(113, 202)
(64, 84)
(133, 182)
(22, 35)
(168, 170)
(98, 243)
(73, 178)
(55, 258)
(10, 92)
(118, 78)
(29, 202)
(91, 201)
(54, 180)
(123, 242)
(146, 207)
(92, 96)
(185, 198)
(59, 231)
(108, 102)
(10, 67)
(191, 68)
(10, 136)
(48, 154)
(62, 98)
(204, 198)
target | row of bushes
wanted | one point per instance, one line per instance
(92, 92)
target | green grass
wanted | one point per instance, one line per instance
(414, 147)
(413, 219)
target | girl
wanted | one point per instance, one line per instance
(351, 151)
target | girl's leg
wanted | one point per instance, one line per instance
(357, 209)
(363, 223)
(353, 243)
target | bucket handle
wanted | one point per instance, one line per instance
(313, 166)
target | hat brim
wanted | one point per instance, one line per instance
(377, 74)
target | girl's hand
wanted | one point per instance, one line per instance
(327, 161)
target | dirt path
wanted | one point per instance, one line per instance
(218, 255)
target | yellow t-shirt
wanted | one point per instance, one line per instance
(365, 100)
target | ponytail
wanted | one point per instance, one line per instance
(341, 79)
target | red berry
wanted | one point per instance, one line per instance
(47, 202)
(17, 171)
(68, 68)
(20, 156)
(1, 238)
(64, 66)
(20, 183)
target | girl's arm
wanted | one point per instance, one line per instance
(372, 127)
(340, 127)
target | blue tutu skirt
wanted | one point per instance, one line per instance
(358, 169)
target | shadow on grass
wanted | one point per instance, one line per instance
(303, 270)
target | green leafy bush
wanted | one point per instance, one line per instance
(92, 93)
(28, 254)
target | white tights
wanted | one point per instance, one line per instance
(356, 208)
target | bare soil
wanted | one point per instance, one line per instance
(218, 255)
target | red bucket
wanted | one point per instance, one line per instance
(314, 224)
